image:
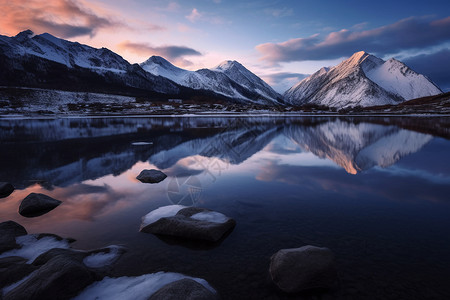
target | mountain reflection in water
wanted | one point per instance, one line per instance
(374, 190)
(65, 151)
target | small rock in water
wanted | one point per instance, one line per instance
(186, 289)
(187, 222)
(6, 189)
(151, 176)
(37, 204)
(9, 230)
(298, 269)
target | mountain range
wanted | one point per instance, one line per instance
(50, 62)
(45, 61)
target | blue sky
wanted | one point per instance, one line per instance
(281, 41)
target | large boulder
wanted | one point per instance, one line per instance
(151, 176)
(6, 189)
(186, 289)
(13, 269)
(36, 204)
(304, 268)
(62, 277)
(187, 222)
(9, 230)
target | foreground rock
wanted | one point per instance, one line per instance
(151, 176)
(186, 289)
(9, 230)
(160, 285)
(43, 266)
(304, 268)
(13, 269)
(62, 277)
(6, 189)
(37, 204)
(187, 222)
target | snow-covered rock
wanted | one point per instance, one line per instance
(138, 288)
(187, 222)
(361, 80)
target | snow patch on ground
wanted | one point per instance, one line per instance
(133, 288)
(162, 212)
(141, 143)
(210, 216)
(101, 259)
(32, 247)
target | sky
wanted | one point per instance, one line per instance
(280, 41)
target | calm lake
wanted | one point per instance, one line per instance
(376, 191)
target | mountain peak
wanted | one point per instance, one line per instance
(24, 35)
(227, 64)
(157, 60)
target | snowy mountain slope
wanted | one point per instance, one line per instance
(243, 76)
(230, 79)
(45, 61)
(395, 77)
(361, 80)
(64, 52)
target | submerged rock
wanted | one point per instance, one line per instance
(186, 289)
(151, 176)
(9, 230)
(187, 222)
(6, 189)
(304, 268)
(37, 204)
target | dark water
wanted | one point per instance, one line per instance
(375, 191)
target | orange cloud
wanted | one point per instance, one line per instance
(63, 18)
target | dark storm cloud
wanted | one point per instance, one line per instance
(406, 34)
(426, 64)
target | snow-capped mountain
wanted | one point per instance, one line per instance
(361, 80)
(243, 76)
(46, 61)
(64, 52)
(230, 79)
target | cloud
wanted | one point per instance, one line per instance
(279, 12)
(406, 34)
(194, 16)
(426, 64)
(174, 54)
(282, 81)
(63, 18)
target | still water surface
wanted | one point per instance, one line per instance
(375, 191)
